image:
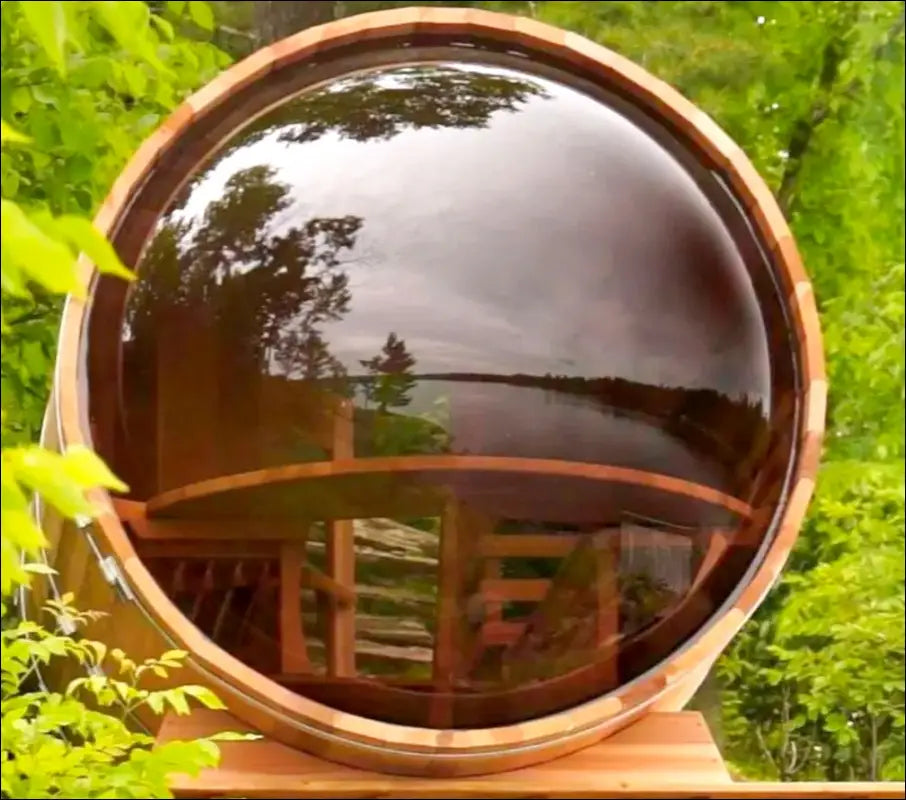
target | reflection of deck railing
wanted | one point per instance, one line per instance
(188, 524)
(261, 523)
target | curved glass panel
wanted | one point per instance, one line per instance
(506, 368)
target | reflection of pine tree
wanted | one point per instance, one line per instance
(267, 290)
(391, 378)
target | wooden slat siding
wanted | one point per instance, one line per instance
(293, 651)
(187, 391)
(340, 628)
(251, 694)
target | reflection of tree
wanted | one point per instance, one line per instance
(380, 105)
(388, 385)
(267, 290)
(391, 378)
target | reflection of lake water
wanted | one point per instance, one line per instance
(528, 422)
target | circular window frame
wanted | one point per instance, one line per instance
(297, 721)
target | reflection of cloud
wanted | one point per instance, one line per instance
(555, 238)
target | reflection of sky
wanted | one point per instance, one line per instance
(551, 241)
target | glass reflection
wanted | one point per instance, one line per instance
(449, 260)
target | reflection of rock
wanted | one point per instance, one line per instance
(396, 587)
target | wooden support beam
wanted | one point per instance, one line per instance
(504, 632)
(242, 530)
(607, 576)
(518, 590)
(336, 591)
(449, 613)
(293, 651)
(528, 545)
(717, 544)
(209, 549)
(340, 629)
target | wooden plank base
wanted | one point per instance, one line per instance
(664, 755)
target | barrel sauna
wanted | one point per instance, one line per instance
(470, 394)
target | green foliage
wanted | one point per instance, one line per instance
(73, 80)
(76, 743)
(82, 83)
(814, 93)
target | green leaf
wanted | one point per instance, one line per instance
(88, 470)
(205, 696)
(201, 14)
(39, 569)
(29, 253)
(233, 736)
(47, 21)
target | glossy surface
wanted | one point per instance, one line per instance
(451, 260)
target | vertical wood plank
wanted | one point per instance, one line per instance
(340, 628)
(607, 572)
(446, 639)
(293, 652)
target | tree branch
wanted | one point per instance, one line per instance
(805, 127)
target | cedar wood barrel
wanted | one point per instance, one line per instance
(470, 394)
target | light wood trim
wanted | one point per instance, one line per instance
(167, 503)
(254, 697)
(664, 755)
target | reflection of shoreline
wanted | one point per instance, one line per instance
(708, 420)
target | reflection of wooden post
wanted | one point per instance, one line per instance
(607, 574)
(716, 543)
(340, 629)
(293, 652)
(446, 640)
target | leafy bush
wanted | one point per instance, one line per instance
(83, 81)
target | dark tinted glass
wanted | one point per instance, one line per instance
(508, 367)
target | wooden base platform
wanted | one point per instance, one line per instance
(661, 756)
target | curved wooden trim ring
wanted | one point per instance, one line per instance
(160, 504)
(367, 743)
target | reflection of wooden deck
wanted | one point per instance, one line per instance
(273, 553)
(466, 560)
(208, 497)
